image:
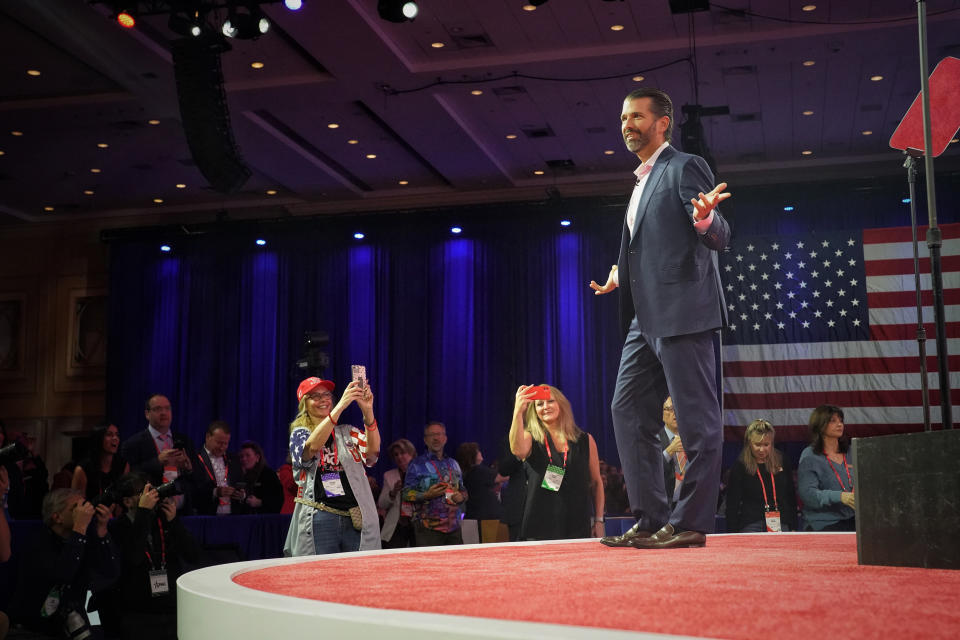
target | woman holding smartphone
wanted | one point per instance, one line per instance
(564, 468)
(334, 510)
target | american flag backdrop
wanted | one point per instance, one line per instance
(831, 318)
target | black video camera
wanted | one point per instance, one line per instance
(14, 452)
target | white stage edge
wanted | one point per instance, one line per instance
(211, 605)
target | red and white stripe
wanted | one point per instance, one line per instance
(876, 381)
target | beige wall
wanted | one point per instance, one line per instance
(52, 374)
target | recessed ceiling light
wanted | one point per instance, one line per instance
(608, 152)
(352, 141)
(538, 172)
(404, 182)
(158, 200)
(257, 65)
(951, 142)
(102, 145)
(88, 192)
(456, 230)
(808, 112)
(511, 136)
(48, 208)
(616, 27)
(806, 152)
(809, 7)
(154, 121)
(180, 185)
(867, 132)
(564, 223)
(271, 192)
(94, 170)
(359, 235)
(809, 63)
(637, 78)
(33, 72)
(16, 133)
(371, 156)
(476, 92)
(2, 152)
(876, 78)
(437, 45)
(529, 7)
(333, 125)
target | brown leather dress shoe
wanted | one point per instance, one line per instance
(668, 538)
(625, 538)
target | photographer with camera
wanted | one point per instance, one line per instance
(157, 451)
(154, 547)
(72, 553)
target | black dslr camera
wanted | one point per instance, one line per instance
(171, 489)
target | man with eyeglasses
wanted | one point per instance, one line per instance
(434, 484)
(674, 457)
(158, 451)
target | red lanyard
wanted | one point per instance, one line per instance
(439, 476)
(773, 485)
(163, 548)
(226, 468)
(837, 473)
(546, 443)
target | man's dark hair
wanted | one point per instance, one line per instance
(146, 405)
(434, 422)
(218, 424)
(660, 105)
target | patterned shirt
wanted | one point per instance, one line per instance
(423, 472)
(299, 437)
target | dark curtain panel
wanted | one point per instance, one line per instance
(447, 325)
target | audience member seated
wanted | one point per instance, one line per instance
(103, 465)
(825, 474)
(434, 485)
(397, 528)
(564, 469)
(674, 457)
(614, 490)
(72, 554)
(481, 482)
(215, 473)
(760, 493)
(259, 484)
(159, 452)
(334, 509)
(285, 474)
(154, 547)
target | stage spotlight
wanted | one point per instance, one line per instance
(165, 248)
(564, 223)
(359, 236)
(788, 208)
(261, 242)
(455, 230)
(397, 10)
(185, 26)
(248, 25)
(293, 5)
(126, 19)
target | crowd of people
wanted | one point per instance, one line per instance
(116, 530)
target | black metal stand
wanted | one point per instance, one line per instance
(934, 236)
(910, 164)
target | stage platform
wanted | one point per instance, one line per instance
(739, 586)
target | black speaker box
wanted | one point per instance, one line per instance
(204, 112)
(908, 499)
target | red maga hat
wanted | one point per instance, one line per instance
(312, 383)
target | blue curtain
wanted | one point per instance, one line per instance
(448, 326)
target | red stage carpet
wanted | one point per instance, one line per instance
(740, 586)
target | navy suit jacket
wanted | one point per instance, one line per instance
(141, 452)
(668, 271)
(203, 485)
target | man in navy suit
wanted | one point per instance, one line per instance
(671, 306)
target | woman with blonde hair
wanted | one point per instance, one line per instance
(334, 510)
(564, 468)
(760, 492)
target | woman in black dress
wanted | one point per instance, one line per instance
(103, 466)
(564, 468)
